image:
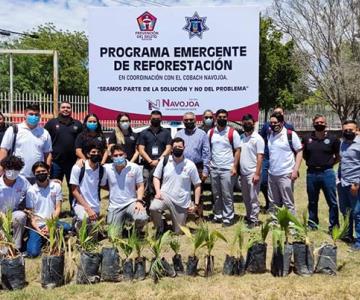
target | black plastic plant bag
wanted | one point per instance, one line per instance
(128, 269)
(256, 258)
(167, 268)
(209, 265)
(191, 266)
(140, 268)
(13, 273)
(110, 265)
(240, 266)
(326, 263)
(303, 259)
(88, 268)
(178, 264)
(281, 261)
(52, 271)
(230, 265)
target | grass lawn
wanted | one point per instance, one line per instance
(346, 285)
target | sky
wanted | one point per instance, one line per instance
(25, 15)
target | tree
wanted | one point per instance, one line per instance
(279, 73)
(33, 73)
(326, 35)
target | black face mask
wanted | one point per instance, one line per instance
(95, 158)
(155, 122)
(248, 127)
(178, 152)
(349, 135)
(275, 128)
(42, 177)
(221, 122)
(319, 127)
(189, 125)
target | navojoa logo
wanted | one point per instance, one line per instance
(171, 104)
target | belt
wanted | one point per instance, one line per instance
(318, 169)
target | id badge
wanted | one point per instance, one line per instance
(155, 150)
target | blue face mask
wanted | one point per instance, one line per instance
(208, 122)
(91, 126)
(32, 120)
(119, 161)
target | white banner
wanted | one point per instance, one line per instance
(174, 60)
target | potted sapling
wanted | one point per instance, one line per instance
(140, 260)
(12, 264)
(303, 255)
(177, 259)
(256, 254)
(327, 253)
(159, 266)
(282, 249)
(110, 263)
(127, 246)
(53, 260)
(197, 240)
(90, 260)
(236, 265)
(211, 236)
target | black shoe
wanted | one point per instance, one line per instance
(252, 225)
(228, 223)
(348, 239)
(216, 221)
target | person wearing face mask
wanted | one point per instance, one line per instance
(208, 120)
(3, 126)
(63, 131)
(91, 133)
(124, 135)
(173, 177)
(153, 144)
(251, 157)
(43, 201)
(265, 130)
(29, 141)
(349, 175)
(321, 152)
(285, 156)
(225, 155)
(126, 186)
(85, 183)
(13, 188)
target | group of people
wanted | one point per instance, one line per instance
(151, 172)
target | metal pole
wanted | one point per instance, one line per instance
(56, 84)
(11, 90)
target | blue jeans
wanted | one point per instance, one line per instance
(325, 181)
(350, 203)
(36, 241)
(58, 172)
(264, 187)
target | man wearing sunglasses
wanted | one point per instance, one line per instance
(208, 120)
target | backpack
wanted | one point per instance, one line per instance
(101, 174)
(230, 136)
(166, 160)
(15, 131)
(289, 138)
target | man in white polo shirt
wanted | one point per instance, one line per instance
(225, 155)
(85, 181)
(13, 189)
(174, 193)
(285, 153)
(251, 156)
(29, 141)
(126, 186)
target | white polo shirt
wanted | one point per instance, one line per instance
(282, 159)
(122, 186)
(222, 155)
(88, 186)
(250, 146)
(12, 196)
(43, 201)
(177, 179)
(31, 144)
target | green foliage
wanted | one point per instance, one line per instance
(278, 239)
(259, 236)
(239, 238)
(34, 73)
(301, 228)
(283, 216)
(55, 238)
(113, 232)
(175, 245)
(88, 233)
(197, 238)
(211, 236)
(6, 237)
(339, 232)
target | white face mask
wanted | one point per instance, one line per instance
(125, 125)
(11, 174)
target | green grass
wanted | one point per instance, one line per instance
(346, 285)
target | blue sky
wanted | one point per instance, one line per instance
(24, 15)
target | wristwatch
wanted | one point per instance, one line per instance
(141, 201)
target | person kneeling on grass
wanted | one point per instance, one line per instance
(126, 186)
(43, 200)
(177, 174)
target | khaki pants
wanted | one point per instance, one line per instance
(250, 193)
(281, 192)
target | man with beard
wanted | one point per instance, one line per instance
(63, 131)
(321, 152)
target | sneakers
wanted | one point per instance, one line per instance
(228, 223)
(216, 220)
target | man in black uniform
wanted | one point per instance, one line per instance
(321, 152)
(154, 143)
(63, 131)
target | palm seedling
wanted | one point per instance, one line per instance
(140, 261)
(12, 265)
(211, 236)
(176, 259)
(127, 247)
(110, 264)
(197, 240)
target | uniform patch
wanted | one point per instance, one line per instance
(327, 141)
